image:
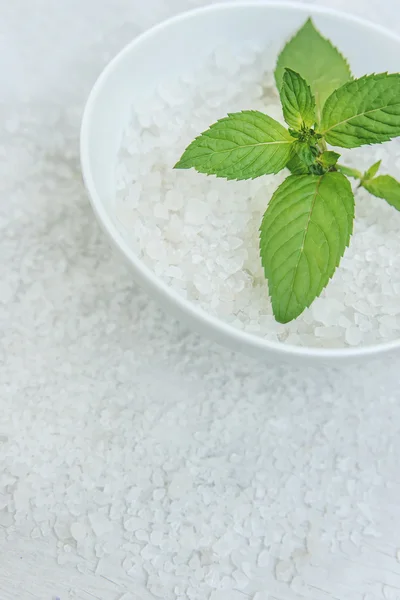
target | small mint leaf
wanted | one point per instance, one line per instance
(298, 103)
(243, 145)
(303, 235)
(305, 152)
(349, 172)
(303, 156)
(296, 166)
(316, 60)
(386, 187)
(363, 111)
(372, 171)
(328, 159)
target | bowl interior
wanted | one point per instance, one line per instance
(177, 47)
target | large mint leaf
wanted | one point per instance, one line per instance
(316, 60)
(298, 103)
(363, 111)
(386, 187)
(243, 145)
(303, 235)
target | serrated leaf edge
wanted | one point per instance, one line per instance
(310, 20)
(337, 262)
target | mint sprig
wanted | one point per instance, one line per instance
(309, 220)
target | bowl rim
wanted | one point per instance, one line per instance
(189, 308)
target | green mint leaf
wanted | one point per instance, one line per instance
(349, 172)
(296, 166)
(386, 187)
(316, 60)
(328, 159)
(303, 157)
(294, 133)
(372, 171)
(298, 103)
(305, 152)
(363, 111)
(303, 235)
(243, 145)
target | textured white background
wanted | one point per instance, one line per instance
(80, 344)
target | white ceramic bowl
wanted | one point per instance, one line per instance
(174, 47)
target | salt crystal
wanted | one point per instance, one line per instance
(161, 212)
(158, 494)
(329, 333)
(197, 259)
(283, 570)
(145, 118)
(134, 523)
(344, 322)
(233, 263)
(389, 322)
(156, 538)
(353, 336)
(326, 310)
(12, 125)
(149, 552)
(6, 518)
(173, 231)
(226, 594)
(99, 523)
(241, 579)
(78, 531)
(263, 559)
(196, 211)
(174, 200)
(174, 272)
(134, 195)
(202, 283)
(36, 533)
(142, 535)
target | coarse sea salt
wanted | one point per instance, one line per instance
(200, 234)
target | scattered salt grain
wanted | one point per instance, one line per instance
(78, 531)
(261, 596)
(263, 559)
(241, 580)
(142, 535)
(99, 523)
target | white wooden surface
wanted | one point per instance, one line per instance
(50, 53)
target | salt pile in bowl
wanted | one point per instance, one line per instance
(200, 234)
